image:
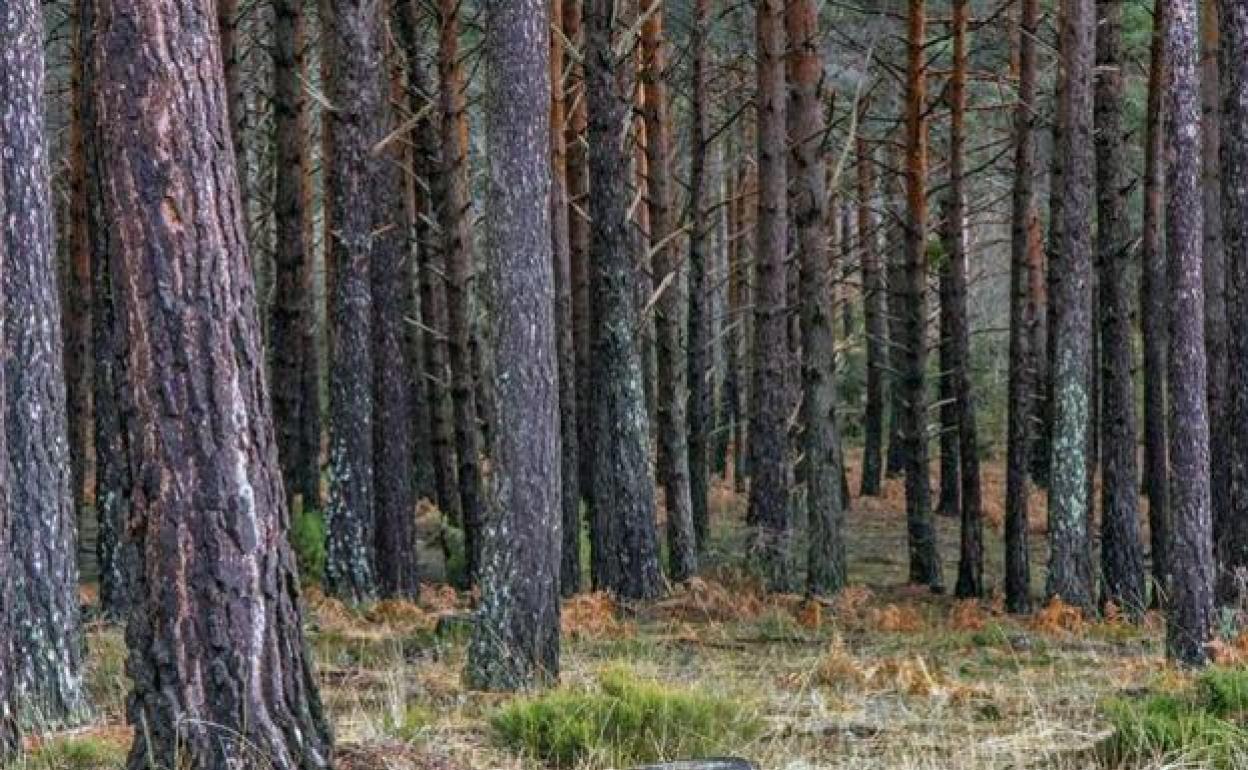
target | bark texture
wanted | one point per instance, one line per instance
(47, 643)
(875, 311)
(515, 642)
(626, 550)
(769, 449)
(1190, 624)
(1069, 570)
(354, 86)
(825, 507)
(702, 242)
(1122, 558)
(217, 658)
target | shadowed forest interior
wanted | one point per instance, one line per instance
(664, 384)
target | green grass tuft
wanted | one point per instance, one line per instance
(76, 754)
(307, 537)
(1204, 724)
(625, 721)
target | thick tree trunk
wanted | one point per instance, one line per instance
(1233, 543)
(671, 366)
(1217, 331)
(875, 312)
(1122, 559)
(825, 507)
(293, 308)
(925, 565)
(1069, 576)
(1191, 555)
(515, 642)
(455, 218)
(569, 468)
(217, 657)
(702, 202)
(46, 627)
(354, 85)
(970, 582)
(394, 494)
(1023, 320)
(626, 550)
(769, 449)
(1153, 319)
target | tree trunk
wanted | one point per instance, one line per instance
(354, 86)
(46, 629)
(769, 450)
(431, 270)
(949, 498)
(394, 495)
(1023, 320)
(737, 388)
(702, 202)
(1122, 559)
(1069, 576)
(925, 568)
(217, 657)
(626, 550)
(825, 507)
(569, 468)
(515, 642)
(671, 366)
(1217, 332)
(293, 308)
(970, 581)
(1190, 624)
(875, 320)
(455, 218)
(1153, 319)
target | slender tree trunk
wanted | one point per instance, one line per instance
(515, 642)
(1217, 331)
(569, 469)
(1023, 320)
(1122, 559)
(47, 629)
(738, 300)
(701, 243)
(769, 451)
(10, 739)
(925, 565)
(1069, 576)
(671, 366)
(1191, 556)
(626, 551)
(1154, 313)
(431, 269)
(875, 320)
(214, 593)
(456, 221)
(293, 308)
(394, 495)
(354, 85)
(970, 581)
(825, 507)
(949, 498)
(894, 271)
(1233, 543)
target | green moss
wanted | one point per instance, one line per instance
(624, 721)
(411, 723)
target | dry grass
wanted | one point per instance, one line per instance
(881, 677)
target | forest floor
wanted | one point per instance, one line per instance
(886, 676)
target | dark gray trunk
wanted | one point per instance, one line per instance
(1069, 576)
(875, 321)
(515, 641)
(1190, 555)
(47, 631)
(626, 550)
(1122, 558)
(354, 86)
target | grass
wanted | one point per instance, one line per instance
(625, 720)
(1203, 722)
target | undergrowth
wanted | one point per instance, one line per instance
(625, 721)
